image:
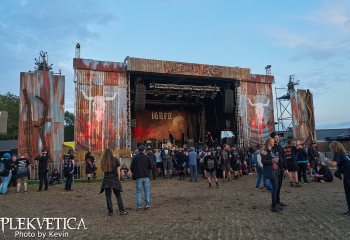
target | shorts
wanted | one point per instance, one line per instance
(211, 174)
(159, 165)
(237, 167)
(313, 163)
(292, 167)
(168, 164)
(24, 178)
(227, 167)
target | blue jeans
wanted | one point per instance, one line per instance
(260, 177)
(146, 188)
(5, 183)
(193, 171)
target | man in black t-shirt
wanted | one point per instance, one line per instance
(210, 165)
(43, 169)
(22, 164)
(68, 169)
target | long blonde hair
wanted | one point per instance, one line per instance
(336, 146)
(107, 161)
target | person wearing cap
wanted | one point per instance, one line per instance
(140, 167)
(5, 173)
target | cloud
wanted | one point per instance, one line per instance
(335, 14)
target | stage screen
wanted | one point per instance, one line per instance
(153, 124)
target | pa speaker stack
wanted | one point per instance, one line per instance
(140, 97)
(228, 101)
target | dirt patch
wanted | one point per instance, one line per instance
(191, 210)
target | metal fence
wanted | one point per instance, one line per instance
(79, 170)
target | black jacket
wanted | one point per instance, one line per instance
(266, 160)
(278, 150)
(140, 166)
(43, 160)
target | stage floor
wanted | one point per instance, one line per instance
(184, 210)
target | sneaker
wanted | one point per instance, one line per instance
(257, 188)
(279, 206)
(138, 209)
(276, 210)
(147, 207)
(123, 212)
(217, 186)
(25, 191)
(110, 214)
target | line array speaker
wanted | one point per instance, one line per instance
(140, 97)
(228, 101)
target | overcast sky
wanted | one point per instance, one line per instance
(310, 39)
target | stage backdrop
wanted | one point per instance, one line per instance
(303, 116)
(156, 124)
(41, 114)
(100, 106)
(257, 120)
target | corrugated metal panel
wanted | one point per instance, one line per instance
(257, 119)
(79, 63)
(262, 78)
(100, 115)
(190, 69)
(303, 116)
(45, 91)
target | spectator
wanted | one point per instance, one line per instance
(270, 163)
(13, 181)
(68, 169)
(22, 164)
(152, 156)
(167, 161)
(5, 172)
(110, 165)
(140, 168)
(302, 161)
(210, 165)
(181, 163)
(313, 157)
(43, 169)
(90, 167)
(159, 162)
(322, 173)
(260, 170)
(245, 168)
(226, 161)
(192, 163)
(291, 161)
(54, 177)
(343, 163)
(125, 173)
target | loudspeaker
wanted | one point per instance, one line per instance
(140, 97)
(228, 101)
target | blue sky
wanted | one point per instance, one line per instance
(310, 39)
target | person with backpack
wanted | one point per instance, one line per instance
(22, 164)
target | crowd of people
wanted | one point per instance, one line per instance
(271, 162)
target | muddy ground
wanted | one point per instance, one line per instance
(190, 210)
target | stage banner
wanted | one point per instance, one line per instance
(100, 106)
(154, 125)
(256, 113)
(41, 114)
(303, 116)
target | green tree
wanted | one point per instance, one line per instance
(68, 126)
(10, 103)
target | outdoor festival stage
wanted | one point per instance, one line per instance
(121, 104)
